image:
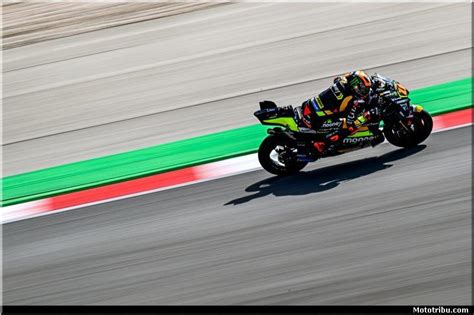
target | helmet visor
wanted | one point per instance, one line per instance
(361, 89)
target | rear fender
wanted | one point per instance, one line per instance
(277, 117)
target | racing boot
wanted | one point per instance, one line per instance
(319, 147)
(378, 134)
(335, 140)
(378, 139)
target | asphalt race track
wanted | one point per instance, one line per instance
(127, 87)
(379, 226)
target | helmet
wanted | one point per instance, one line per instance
(360, 84)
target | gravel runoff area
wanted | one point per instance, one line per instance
(26, 23)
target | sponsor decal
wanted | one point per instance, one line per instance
(358, 140)
(331, 124)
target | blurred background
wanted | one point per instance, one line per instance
(84, 80)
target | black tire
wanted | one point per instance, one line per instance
(278, 168)
(423, 125)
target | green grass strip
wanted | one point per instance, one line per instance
(115, 168)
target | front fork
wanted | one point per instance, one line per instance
(408, 121)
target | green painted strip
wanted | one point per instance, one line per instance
(175, 155)
(445, 97)
(134, 164)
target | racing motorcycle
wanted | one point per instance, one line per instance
(288, 147)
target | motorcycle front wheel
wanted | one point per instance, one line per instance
(420, 129)
(278, 156)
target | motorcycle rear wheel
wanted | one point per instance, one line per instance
(269, 158)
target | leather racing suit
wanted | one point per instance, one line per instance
(340, 102)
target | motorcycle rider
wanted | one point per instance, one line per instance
(352, 100)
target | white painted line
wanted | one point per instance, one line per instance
(451, 128)
(27, 209)
(228, 167)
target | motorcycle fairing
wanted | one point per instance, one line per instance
(288, 122)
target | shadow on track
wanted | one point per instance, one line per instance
(322, 179)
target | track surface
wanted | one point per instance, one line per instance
(147, 83)
(354, 229)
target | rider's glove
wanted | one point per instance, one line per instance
(360, 104)
(372, 114)
(378, 85)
